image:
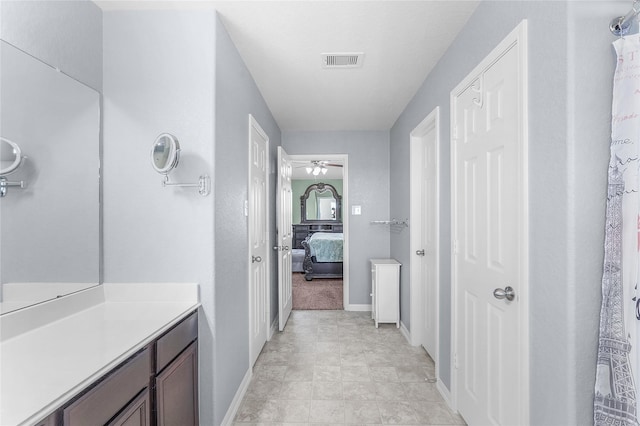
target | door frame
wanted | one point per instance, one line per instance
(517, 39)
(344, 159)
(253, 123)
(417, 136)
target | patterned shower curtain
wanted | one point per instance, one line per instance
(618, 361)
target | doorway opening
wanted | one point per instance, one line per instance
(320, 232)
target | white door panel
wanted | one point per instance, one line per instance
(284, 245)
(258, 233)
(429, 230)
(489, 192)
(425, 236)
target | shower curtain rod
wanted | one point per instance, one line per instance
(620, 26)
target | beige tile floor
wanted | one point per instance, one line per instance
(335, 367)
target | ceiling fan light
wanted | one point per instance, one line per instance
(324, 170)
(309, 169)
(316, 170)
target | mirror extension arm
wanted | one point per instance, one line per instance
(203, 185)
(10, 159)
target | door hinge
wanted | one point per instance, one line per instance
(455, 247)
(455, 360)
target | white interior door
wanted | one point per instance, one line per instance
(424, 214)
(489, 238)
(258, 239)
(285, 234)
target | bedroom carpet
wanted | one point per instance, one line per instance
(325, 294)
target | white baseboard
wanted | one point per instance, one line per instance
(446, 395)
(405, 333)
(358, 308)
(237, 399)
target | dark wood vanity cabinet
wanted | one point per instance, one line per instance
(156, 386)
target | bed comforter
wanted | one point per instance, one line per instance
(326, 246)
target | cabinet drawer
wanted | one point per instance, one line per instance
(109, 396)
(175, 340)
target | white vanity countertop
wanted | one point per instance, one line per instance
(43, 366)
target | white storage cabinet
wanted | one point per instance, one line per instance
(385, 291)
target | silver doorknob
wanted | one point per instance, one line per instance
(508, 293)
(255, 259)
(420, 252)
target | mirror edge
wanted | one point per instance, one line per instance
(17, 162)
(174, 154)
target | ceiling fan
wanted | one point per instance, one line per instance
(317, 167)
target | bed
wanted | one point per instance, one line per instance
(323, 255)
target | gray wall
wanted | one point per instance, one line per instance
(157, 81)
(571, 68)
(237, 96)
(368, 186)
(591, 63)
(190, 82)
(64, 34)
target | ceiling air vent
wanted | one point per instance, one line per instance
(342, 60)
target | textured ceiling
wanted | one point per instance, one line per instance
(282, 42)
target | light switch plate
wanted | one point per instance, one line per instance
(356, 210)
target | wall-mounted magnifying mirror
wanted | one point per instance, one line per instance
(10, 159)
(165, 153)
(10, 156)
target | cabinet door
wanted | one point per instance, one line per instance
(387, 293)
(177, 390)
(136, 414)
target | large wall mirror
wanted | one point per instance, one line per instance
(321, 203)
(50, 229)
